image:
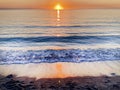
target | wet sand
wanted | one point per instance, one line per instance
(11, 82)
(62, 69)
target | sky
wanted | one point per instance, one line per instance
(67, 4)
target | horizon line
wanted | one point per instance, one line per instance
(52, 9)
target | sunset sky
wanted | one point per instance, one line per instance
(68, 4)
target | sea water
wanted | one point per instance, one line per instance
(45, 36)
(28, 36)
(45, 43)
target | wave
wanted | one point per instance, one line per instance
(65, 39)
(69, 33)
(73, 26)
(52, 56)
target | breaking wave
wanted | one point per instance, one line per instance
(52, 56)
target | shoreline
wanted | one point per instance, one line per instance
(62, 69)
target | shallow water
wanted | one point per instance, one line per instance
(45, 36)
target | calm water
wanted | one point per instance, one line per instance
(34, 36)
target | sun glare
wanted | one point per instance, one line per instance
(58, 7)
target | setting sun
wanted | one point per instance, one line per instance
(58, 7)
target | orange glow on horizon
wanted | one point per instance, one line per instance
(58, 7)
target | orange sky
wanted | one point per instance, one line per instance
(68, 4)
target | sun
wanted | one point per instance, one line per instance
(58, 7)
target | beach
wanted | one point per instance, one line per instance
(79, 50)
(61, 76)
(12, 82)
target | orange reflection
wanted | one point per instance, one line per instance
(58, 17)
(59, 68)
(58, 7)
(58, 20)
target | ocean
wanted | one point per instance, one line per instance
(46, 36)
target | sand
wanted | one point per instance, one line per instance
(62, 69)
(12, 82)
(104, 75)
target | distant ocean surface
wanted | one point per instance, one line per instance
(43, 36)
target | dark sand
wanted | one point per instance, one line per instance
(11, 82)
